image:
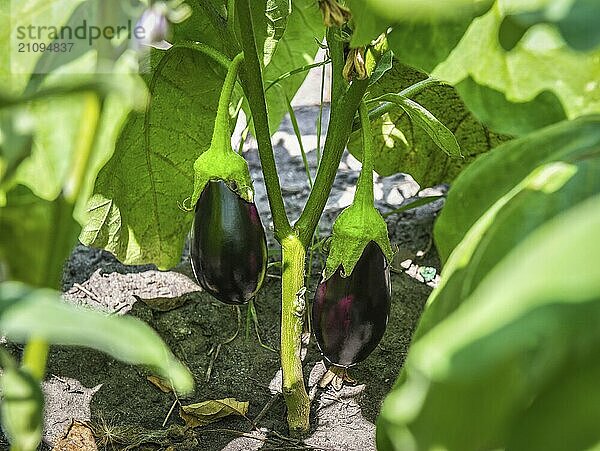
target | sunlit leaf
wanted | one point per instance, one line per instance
(135, 211)
(505, 89)
(41, 313)
(401, 145)
(490, 367)
(22, 407)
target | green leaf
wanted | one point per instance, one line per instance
(269, 19)
(15, 146)
(542, 64)
(425, 10)
(400, 145)
(492, 177)
(200, 28)
(27, 312)
(366, 25)
(423, 118)
(135, 211)
(577, 23)
(15, 74)
(424, 32)
(296, 48)
(28, 219)
(540, 428)
(22, 406)
(493, 109)
(384, 64)
(470, 381)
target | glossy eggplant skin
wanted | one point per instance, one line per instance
(228, 245)
(350, 314)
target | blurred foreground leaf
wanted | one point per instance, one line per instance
(41, 313)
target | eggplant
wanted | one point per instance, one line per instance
(350, 313)
(228, 245)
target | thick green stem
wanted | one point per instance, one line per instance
(335, 45)
(252, 83)
(221, 139)
(364, 188)
(292, 315)
(35, 354)
(337, 137)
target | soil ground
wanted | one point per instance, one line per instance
(126, 410)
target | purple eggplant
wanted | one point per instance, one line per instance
(350, 313)
(228, 245)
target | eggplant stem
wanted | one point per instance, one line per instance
(292, 315)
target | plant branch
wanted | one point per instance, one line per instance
(338, 133)
(386, 107)
(252, 83)
(336, 53)
(221, 138)
(35, 354)
(364, 188)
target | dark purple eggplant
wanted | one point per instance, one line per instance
(228, 245)
(350, 313)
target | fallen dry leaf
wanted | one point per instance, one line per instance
(162, 384)
(206, 412)
(77, 437)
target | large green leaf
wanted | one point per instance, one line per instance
(296, 48)
(367, 26)
(541, 77)
(526, 187)
(15, 146)
(577, 21)
(400, 145)
(15, 67)
(22, 406)
(135, 211)
(424, 32)
(269, 20)
(204, 25)
(505, 353)
(41, 313)
(39, 236)
(492, 177)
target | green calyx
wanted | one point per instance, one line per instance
(360, 223)
(230, 167)
(353, 229)
(220, 161)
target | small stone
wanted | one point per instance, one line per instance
(394, 198)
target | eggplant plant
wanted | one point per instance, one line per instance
(418, 87)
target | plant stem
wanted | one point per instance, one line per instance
(83, 148)
(364, 188)
(252, 82)
(336, 53)
(386, 107)
(221, 139)
(337, 137)
(35, 356)
(292, 314)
